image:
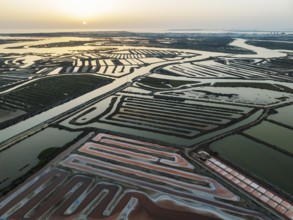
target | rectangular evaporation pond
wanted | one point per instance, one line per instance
(284, 116)
(264, 162)
(15, 158)
(273, 134)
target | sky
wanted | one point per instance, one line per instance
(147, 14)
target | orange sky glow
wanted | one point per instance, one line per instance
(140, 14)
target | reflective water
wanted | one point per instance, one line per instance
(21, 157)
(29, 123)
(284, 115)
(18, 159)
(258, 159)
(38, 119)
(273, 134)
(260, 51)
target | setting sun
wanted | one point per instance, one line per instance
(140, 14)
(146, 109)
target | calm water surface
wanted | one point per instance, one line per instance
(262, 161)
(21, 157)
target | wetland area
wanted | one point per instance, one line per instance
(148, 117)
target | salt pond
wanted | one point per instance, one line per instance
(273, 134)
(284, 115)
(258, 159)
(21, 157)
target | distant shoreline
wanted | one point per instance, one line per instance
(173, 30)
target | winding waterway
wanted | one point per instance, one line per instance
(19, 158)
(14, 130)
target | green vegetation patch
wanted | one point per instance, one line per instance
(282, 63)
(46, 93)
(50, 91)
(48, 153)
(257, 159)
(272, 44)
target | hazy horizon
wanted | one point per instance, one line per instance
(139, 14)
